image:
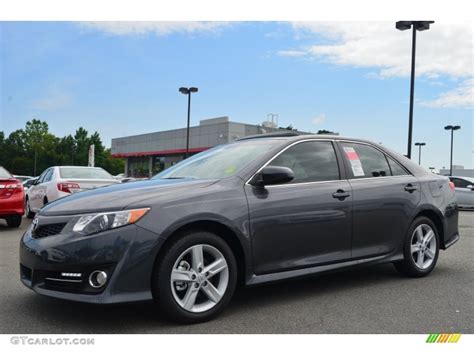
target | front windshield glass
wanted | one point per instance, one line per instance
(219, 162)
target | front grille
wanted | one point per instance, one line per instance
(48, 230)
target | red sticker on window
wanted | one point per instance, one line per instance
(352, 155)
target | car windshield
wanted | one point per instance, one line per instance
(84, 173)
(219, 162)
(4, 174)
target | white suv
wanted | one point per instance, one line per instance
(61, 181)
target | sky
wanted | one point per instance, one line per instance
(122, 78)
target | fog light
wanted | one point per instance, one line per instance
(97, 278)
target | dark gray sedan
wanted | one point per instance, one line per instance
(259, 210)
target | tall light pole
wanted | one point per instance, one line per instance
(452, 129)
(188, 91)
(419, 144)
(417, 26)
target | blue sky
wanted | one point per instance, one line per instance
(123, 78)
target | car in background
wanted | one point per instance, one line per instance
(29, 182)
(61, 181)
(22, 178)
(11, 198)
(464, 188)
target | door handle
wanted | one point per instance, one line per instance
(410, 188)
(341, 194)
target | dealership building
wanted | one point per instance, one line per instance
(150, 153)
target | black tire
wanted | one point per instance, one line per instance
(29, 213)
(14, 221)
(161, 282)
(407, 266)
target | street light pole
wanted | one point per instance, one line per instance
(419, 144)
(188, 91)
(417, 26)
(452, 129)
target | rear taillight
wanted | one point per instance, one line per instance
(14, 187)
(451, 186)
(67, 186)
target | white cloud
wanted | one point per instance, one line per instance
(52, 100)
(460, 97)
(444, 50)
(291, 53)
(321, 118)
(159, 28)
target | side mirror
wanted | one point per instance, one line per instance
(471, 187)
(272, 175)
(35, 182)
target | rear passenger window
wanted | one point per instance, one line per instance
(365, 161)
(396, 168)
(310, 161)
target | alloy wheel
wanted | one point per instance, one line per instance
(199, 278)
(423, 246)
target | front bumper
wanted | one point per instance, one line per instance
(127, 254)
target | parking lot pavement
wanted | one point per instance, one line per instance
(370, 300)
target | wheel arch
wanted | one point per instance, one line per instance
(437, 218)
(224, 231)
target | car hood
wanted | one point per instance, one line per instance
(118, 197)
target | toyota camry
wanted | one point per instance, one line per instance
(261, 209)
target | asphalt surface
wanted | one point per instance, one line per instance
(368, 300)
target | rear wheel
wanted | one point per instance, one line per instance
(29, 213)
(420, 250)
(195, 278)
(14, 221)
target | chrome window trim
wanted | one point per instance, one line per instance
(289, 146)
(333, 141)
(384, 153)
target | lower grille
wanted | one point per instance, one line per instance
(48, 230)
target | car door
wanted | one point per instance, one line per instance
(43, 187)
(385, 196)
(464, 192)
(307, 221)
(33, 192)
(38, 191)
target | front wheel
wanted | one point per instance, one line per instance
(29, 213)
(420, 250)
(195, 278)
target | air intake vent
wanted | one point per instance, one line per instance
(48, 230)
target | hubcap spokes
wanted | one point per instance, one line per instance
(202, 284)
(423, 246)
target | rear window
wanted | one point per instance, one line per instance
(4, 174)
(84, 173)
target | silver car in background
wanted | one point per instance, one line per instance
(464, 188)
(61, 181)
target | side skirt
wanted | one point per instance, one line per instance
(278, 276)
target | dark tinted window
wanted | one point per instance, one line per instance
(460, 182)
(310, 161)
(365, 161)
(396, 167)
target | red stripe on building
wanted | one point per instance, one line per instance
(159, 152)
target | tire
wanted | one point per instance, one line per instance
(29, 214)
(414, 265)
(171, 296)
(14, 221)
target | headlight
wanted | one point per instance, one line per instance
(99, 222)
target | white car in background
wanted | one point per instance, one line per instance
(464, 189)
(61, 181)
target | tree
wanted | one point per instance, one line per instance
(325, 131)
(33, 149)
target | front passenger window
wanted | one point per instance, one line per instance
(310, 162)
